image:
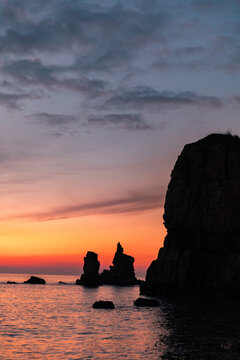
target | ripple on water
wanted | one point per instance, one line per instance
(58, 322)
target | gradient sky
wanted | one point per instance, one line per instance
(97, 99)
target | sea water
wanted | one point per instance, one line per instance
(56, 321)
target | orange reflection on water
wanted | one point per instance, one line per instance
(58, 322)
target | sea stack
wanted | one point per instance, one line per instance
(122, 272)
(35, 280)
(90, 276)
(201, 253)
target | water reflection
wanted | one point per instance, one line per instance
(201, 329)
(57, 322)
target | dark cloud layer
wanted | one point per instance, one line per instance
(105, 35)
(77, 24)
(88, 47)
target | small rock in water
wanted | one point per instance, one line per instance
(103, 305)
(35, 280)
(11, 282)
(146, 302)
(62, 282)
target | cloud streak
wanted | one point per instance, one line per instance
(126, 121)
(13, 101)
(53, 119)
(33, 72)
(133, 203)
(144, 96)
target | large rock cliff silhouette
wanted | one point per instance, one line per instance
(201, 252)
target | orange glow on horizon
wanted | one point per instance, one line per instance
(61, 244)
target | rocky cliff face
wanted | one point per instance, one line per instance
(122, 271)
(201, 251)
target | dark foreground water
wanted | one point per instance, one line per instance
(57, 322)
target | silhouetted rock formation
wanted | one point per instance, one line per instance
(146, 302)
(11, 282)
(35, 280)
(201, 252)
(103, 305)
(62, 283)
(122, 272)
(90, 277)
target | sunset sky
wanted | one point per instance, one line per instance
(97, 99)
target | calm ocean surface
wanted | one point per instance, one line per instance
(57, 322)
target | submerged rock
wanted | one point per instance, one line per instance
(35, 280)
(122, 272)
(90, 276)
(201, 252)
(146, 302)
(103, 305)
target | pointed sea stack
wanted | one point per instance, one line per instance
(90, 276)
(201, 253)
(122, 272)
